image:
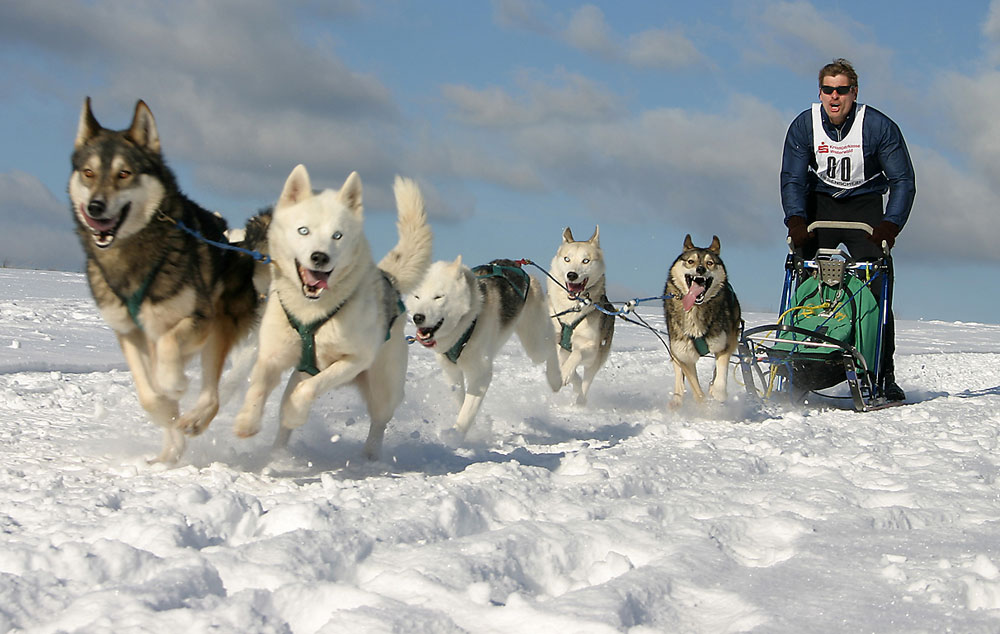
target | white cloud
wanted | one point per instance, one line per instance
(803, 38)
(520, 14)
(561, 96)
(588, 31)
(661, 48)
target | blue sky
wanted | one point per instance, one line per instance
(519, 118)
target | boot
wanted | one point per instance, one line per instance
(890, 390)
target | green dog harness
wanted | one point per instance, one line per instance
(513, 274)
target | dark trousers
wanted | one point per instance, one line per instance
(866, 208)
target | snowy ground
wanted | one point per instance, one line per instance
(623, 516)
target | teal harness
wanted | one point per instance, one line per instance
(307, 332)
(566, 334)
(133, 303)
(513, 275)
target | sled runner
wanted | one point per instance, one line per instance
(830, 328)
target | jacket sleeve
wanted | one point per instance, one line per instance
(795, 159)
(898, 170)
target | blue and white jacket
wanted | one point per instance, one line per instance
(887, 164)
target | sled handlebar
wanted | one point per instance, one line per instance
(838, 224)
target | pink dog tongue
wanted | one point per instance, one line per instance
(315, 278)
(692, 295)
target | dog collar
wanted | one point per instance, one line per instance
(455, 351)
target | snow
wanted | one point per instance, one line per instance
(623, 516)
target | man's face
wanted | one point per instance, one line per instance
(837, 105)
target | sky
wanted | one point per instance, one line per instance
(518, 118)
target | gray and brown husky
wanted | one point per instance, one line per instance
(166, 294)
(703, 317)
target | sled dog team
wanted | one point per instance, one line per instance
(169, 283)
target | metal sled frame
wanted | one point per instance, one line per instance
(759, 358)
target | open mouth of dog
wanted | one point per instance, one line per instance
(425, 336)
(105, 229)
(313, 282)
(578, 286)
(697, 287)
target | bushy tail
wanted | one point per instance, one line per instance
(534, 328)
(409, 259)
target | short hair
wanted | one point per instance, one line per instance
(839, 66)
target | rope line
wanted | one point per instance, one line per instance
(257, 255)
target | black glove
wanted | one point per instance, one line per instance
(798, 231)
(886, 231)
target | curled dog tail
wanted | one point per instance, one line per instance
(409, 260)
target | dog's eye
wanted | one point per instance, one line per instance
(88, 173)
(337, 235)
(438, 298)
(123, 174)
(566, 259)
(303, 231)
(586, 260)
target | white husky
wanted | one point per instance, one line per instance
(465, 315)
(332, 313)
(583, 333)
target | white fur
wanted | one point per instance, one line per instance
(450, 294)
(351, 347)
(583, 259)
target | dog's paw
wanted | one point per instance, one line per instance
(452, 437)
(196, 421)
(676, 401)
(246, 425)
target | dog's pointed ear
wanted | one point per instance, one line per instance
(88, 126)
(596, 238)
(716, 246)
(143, 128)
(458, 262)
(350, 193)
(297, 187)
(568, 235)
(688, 244)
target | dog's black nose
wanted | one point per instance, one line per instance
(701, 270)
(571, 276)
(418, 318)
(96, 208)
(319, 259)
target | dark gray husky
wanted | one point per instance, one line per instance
(165, 293)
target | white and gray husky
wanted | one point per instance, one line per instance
(332, 313)
(583, 333)
(465, 315)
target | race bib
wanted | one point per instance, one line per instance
(841, 163)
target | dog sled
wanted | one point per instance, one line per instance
(830, 329)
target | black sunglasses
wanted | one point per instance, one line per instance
(841, 90)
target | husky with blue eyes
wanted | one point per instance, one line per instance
(332, 313)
